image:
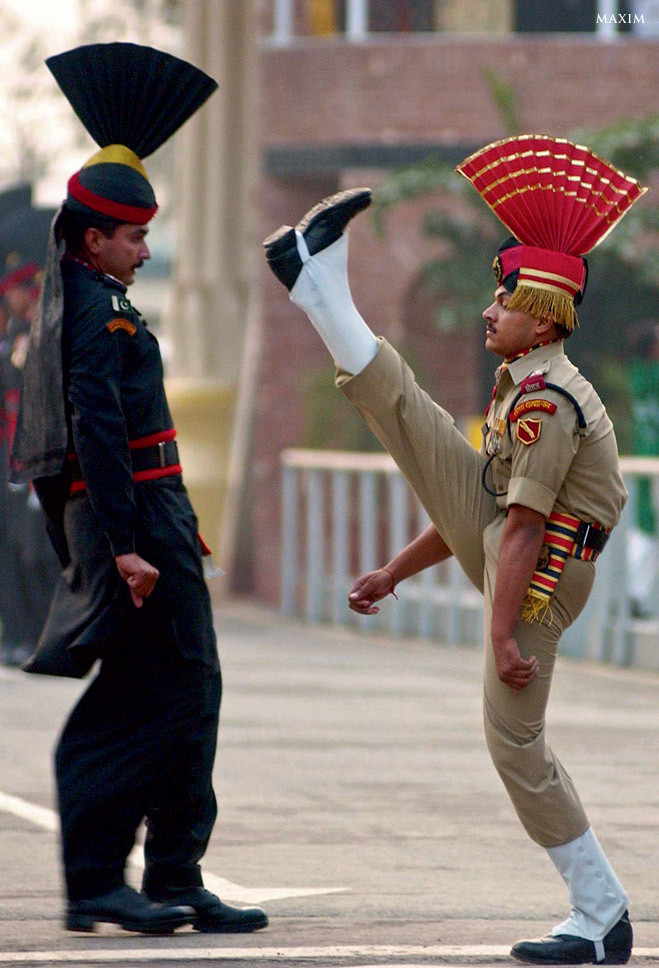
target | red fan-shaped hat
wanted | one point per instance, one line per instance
(559, 200)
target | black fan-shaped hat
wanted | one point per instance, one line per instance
(131, 99)
(130, 95)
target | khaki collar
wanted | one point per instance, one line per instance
(537, 361)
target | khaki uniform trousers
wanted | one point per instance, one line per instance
(445, 472)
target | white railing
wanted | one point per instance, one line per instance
(344, 514)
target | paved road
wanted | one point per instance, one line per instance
(357, 803)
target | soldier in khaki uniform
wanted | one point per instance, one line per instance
(527, 516)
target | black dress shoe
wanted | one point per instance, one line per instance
(212, 915)
(567, 949)
(130, 910)
(322, 225)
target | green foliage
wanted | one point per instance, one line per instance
(429, 177)
(457, 286)
(631, 144)
(504, 97)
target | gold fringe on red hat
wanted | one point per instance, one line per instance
(544, 303)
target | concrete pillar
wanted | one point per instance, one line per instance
(356, 19)
(283, 26)
(213, 287)
(607, 11)
(218, 167)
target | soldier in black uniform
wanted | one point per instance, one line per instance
(141, 741)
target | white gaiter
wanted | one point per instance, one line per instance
(596, 895)
(323, 292)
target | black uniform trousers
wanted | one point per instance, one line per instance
(139, 744)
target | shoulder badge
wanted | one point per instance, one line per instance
(533, 383)
(525, 406)
(528, 430)
(121, 323)
(121, 305)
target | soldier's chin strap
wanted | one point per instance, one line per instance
(581, 428)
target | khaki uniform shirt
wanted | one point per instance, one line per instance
(539, 459)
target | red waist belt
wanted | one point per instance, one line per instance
(152, 457)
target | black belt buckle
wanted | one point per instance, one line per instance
(589, 537)
(162, 456)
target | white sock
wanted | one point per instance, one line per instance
(322, 290)
(596, 895)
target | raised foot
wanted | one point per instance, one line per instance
(322, 225)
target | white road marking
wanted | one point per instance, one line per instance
(48, 820)
(39, 816)
(461, 953)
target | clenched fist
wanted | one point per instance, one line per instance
(139, 575)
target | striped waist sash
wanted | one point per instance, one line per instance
(565, 537)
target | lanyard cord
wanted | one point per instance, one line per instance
(489, 489)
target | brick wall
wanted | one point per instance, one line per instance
(430, 87)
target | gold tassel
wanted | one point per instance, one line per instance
(536, 609)
(542, 303)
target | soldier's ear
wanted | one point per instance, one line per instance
(93, 238)
(545, 326)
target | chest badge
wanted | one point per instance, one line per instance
(494, 438)
(528, 430)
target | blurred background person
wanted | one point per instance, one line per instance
(28, 565)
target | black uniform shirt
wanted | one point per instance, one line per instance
(113, 380)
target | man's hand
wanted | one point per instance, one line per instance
(512, 669)
(368, 589)
(140, 576)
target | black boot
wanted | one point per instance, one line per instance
(322, 225)
(130, 910)
(568, 949)
(212, 915)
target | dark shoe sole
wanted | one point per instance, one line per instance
(211, 927)
(610, 958)
(86, 923)
(325, 222)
